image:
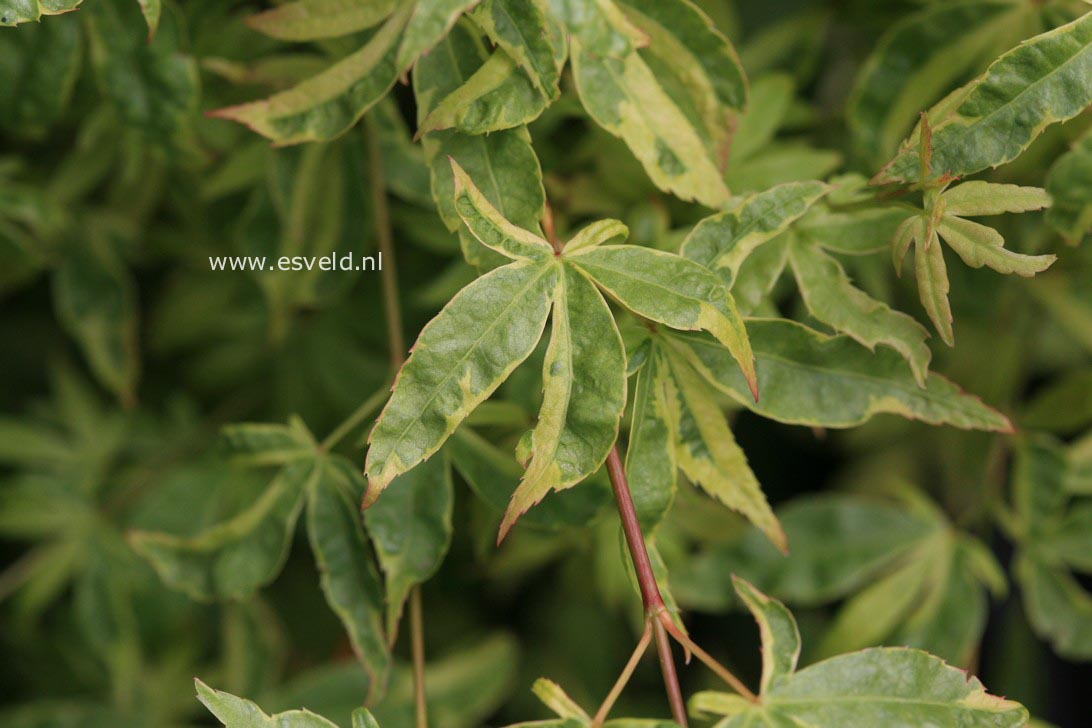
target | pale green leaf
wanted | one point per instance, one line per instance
(780, 636)
(584, 394)
(410, 527)
(650, 455)
(976, 197)
(13, 12)
(932, 277)
(556, 699)
(459, 359)
(523, 31)
(980, 245)
(862, 231)
(428, 23)
(348, 577)
(489, 226)
(624, 97)
(233, 558)
(874, 687)
(833, 299)
(599, 25)
(696, 66)
(599, 232)
(812, 379)
(670, 290)
(313, 19)
(1038, 83)
(708, 454)
(722, 242)
(236, 712)
(327, 105)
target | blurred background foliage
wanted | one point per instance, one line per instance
(123, 355)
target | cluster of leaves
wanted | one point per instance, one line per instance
(684, 179)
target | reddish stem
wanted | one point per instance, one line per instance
(646, 579)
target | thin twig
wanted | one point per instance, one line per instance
(397, 345)
(383, 239)
(417, 637)
(721, 671)
(671, 679)
(646, 578)
(620, 684)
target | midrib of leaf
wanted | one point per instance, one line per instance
(516, 301)
(921, 393)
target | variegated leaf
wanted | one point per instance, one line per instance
(670, 290)
(302, 20)
(1040, 82)
(459, 359)
(327, 105)
(723, 241)
(708, 453)
(584, 394)
(833, 299)
(824, 381)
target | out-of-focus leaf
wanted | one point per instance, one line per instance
(95, 300)
(268, 444)
(1053, 540)
(349, 579)
(410, 527)
(313, 19)
(154, 85)
(327, 105)
(38, 70)
(1070, 185)
(1064, 406)
(1038, 83)
(233, 558)
(811, 379)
